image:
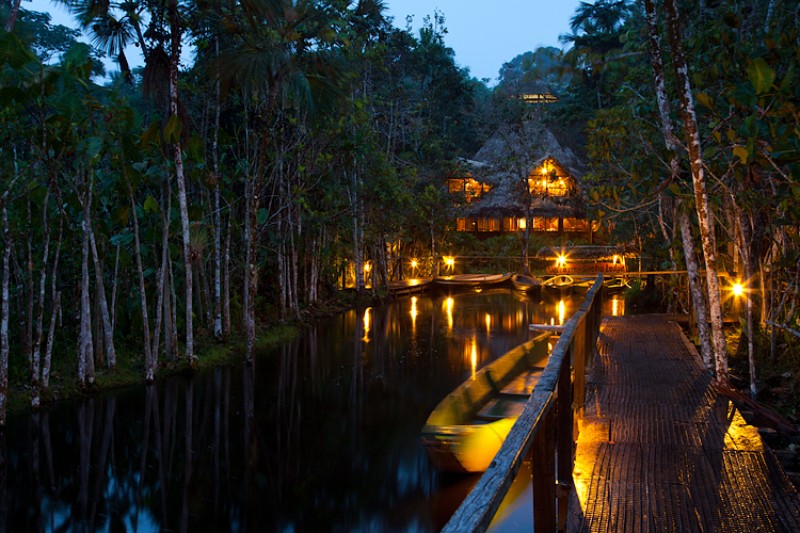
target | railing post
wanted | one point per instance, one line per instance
(543, 472)
(564, 437)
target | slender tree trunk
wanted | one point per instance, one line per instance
(696, 289)
(4, 316)
(108, 329)
(226, 286)
(86, 344)
(37, 341)
(217, 218)
(12, 16)
(150, 364)
(705, 220)
(695, 284)
(175, 52)
(55, 297)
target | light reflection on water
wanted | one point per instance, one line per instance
(321, 434)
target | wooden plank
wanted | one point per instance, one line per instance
(546, 327)
(661, 450)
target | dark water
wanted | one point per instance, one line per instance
(321, 434)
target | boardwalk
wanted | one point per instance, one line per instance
(659, 451)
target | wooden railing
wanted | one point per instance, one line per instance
(544, 431)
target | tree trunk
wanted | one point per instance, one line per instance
(37, 341)
(4, 316)
(217, 217)
(12, 16)
(695, 284)
(149, 363)
(226, 285)
(175, 52)
(86, 345)
(705, 220)
(108, 329)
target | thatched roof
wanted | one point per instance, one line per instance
(505, 161)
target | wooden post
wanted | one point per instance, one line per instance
(544, 475)
(564, 437)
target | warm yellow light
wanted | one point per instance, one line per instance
(522, 223)
(448, 303)
(616, 259)
(488, 322)
(562, 311)
(414, 263)
(474, 356)
(367, 320)
(738, 289)
(414, 312)
(614, 306)
(367, 266)
(449, 260)
(561, 260)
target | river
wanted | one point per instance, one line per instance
(320, 434)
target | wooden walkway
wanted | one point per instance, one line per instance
(659, 450)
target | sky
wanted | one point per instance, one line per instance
(484, 34)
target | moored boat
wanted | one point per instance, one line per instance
(615, 285)
(526, 284)
(561, 283)
(409, 286)
(472, 281)
(466, 429)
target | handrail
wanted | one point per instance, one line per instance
(545, 425)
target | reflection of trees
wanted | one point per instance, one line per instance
(329, 418)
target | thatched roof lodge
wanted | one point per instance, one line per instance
(495, 186)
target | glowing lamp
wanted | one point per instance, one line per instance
(737, 289)
(561, 260)
(414, 263)
(367, 267)
(522, 223)
(449, 260)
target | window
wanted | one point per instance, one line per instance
(509, 224)
(488, 224)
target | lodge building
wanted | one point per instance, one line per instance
(521, 178)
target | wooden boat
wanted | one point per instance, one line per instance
(561, 283)
(467, 428)
(526, 284)
(615, 285)
(409, 286)
(472, 281)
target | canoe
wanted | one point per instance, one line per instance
(561, 283)
(526, 284)
(472, 281)
(466, 429)
(409, 286)
(615, 285)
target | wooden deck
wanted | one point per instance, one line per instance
(659, 450)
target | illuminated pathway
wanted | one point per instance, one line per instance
(660, 451)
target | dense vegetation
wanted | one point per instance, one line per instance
(201, 199)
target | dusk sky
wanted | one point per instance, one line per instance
(484, 35)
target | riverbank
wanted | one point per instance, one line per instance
(129, 371)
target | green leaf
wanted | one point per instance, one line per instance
(262, 216)
(761, 75)
(122, 239)
(172, 130)
(741, 152)
(150, 205)
(705, 100)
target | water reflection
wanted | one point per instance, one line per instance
(320, 434)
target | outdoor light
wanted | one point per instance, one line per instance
(414, 263)
(449, 260)
(367, 267)
(615, 259)
(561, 260)
(737, 289)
